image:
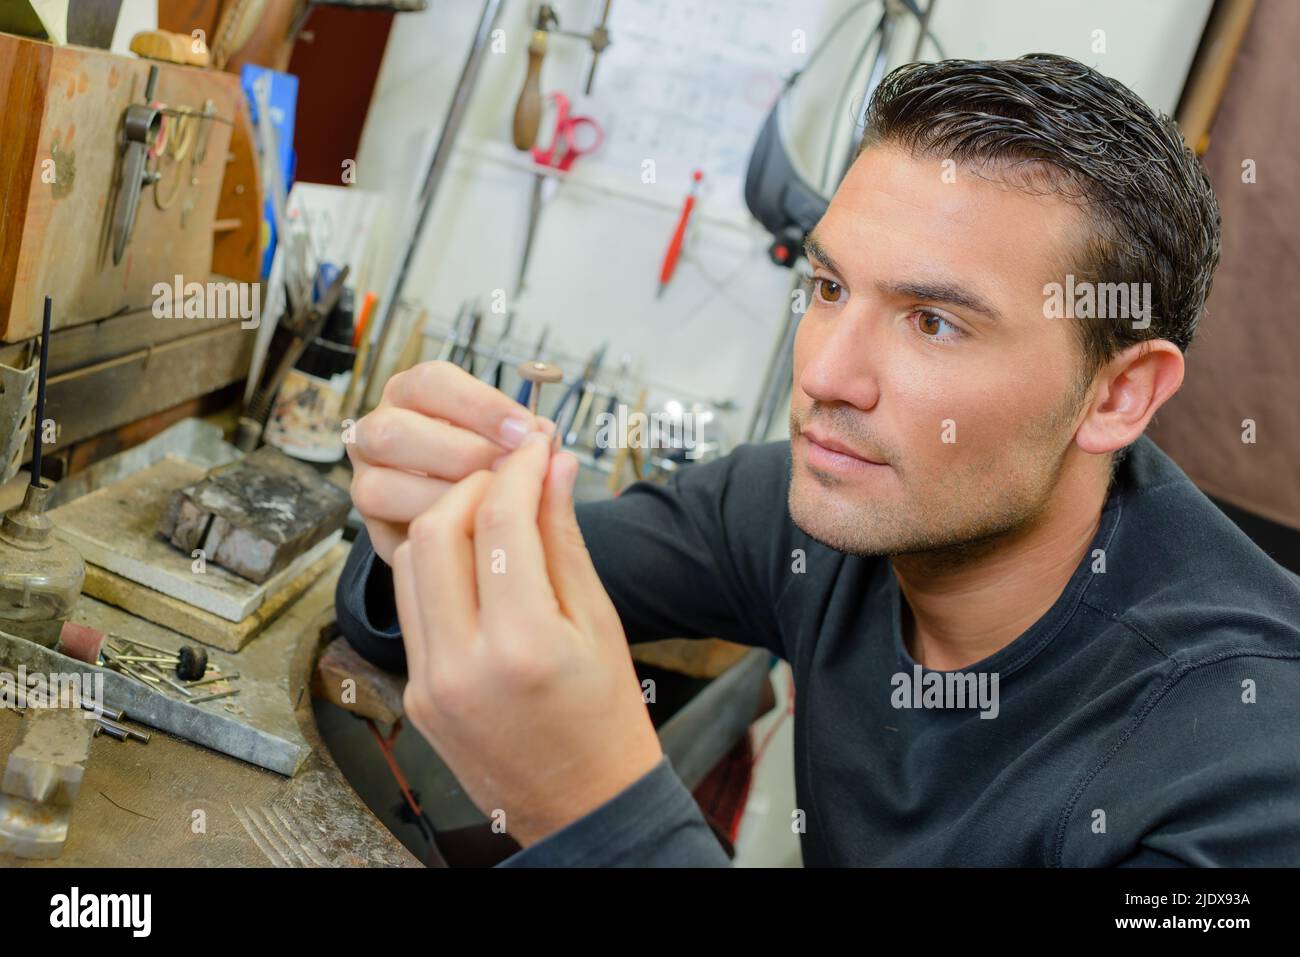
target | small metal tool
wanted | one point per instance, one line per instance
(213, 697)
(579, 395)
(535, 373)
(41, 781)
(140, 127)
(558, 157)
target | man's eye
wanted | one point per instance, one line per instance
(828, 290)
(934, 326)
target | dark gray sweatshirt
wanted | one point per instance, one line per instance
(1150, 717)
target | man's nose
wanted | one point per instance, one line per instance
(840, 361)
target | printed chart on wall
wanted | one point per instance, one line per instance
(688, 85)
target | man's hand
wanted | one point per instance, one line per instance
(435, 425)
(520, 675)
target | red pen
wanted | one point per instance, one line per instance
(675, 246)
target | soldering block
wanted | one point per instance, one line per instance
(255, 516)
(49, 760)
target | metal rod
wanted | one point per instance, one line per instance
(778, 378)
(112, 728)
(42, 376)
(213, 680)
(923, 30)
(138, 676)
(214, 697)
(105, 711)
(179, 687)
(144, 644)
(432, 180)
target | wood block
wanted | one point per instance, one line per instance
(114, 529)
(196, 623)
(170, 47)
(256, 515)
(345, 678)
(699, 658)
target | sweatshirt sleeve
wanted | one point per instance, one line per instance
(654, 822)
(1207, 778)
(366, 608)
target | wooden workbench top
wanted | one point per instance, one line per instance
(172, 803)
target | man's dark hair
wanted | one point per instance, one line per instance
(1056, 123)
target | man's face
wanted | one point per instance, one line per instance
(933, 403)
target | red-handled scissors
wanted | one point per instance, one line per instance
(565, 141)
(559, 156)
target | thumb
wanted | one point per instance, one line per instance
(581, 595)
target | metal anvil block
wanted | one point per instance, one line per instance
(48, 763)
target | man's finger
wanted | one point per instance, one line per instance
(391, 495)
(399, 438)
(385, 537)
(513, 584)
(408, 611)
(447, 391)
(442, 557)
(577, 586)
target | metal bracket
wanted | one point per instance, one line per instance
(17, 399)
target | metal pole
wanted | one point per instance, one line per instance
(778, 377)
(432, 180)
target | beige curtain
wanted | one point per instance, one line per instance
(1245, 361)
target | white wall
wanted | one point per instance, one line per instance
(134, 17)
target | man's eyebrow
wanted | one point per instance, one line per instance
(929, 291)
(944, 292)
(815, 250)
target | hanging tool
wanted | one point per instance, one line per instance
(459, 326)
(625, 450)
(559, 156)
(599, 41)
(463, 353)
(612, 408)
(579, 395)
(141, 125)
(675, 245)
(493, 374)
(528, 107)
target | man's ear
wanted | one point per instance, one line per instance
(1128, 391)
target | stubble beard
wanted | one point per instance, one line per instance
(949, 519)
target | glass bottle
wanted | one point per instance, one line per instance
(40, 575)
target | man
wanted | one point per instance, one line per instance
(1019, 635)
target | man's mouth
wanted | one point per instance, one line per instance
(824, 451)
